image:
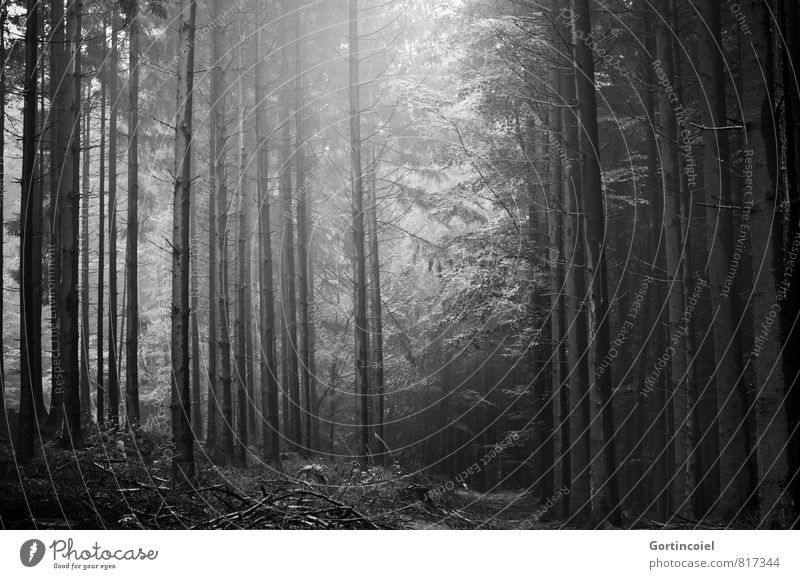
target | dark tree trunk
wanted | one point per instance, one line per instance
(288, 286)
(762, 190)
(60, 178)
(240, 338)
(30, 287)
(132, 247)
(183, 459)
(5, 436)
(376, 316)
(224, 452)
(359, 263)
(194, 329)
(790, 333)
(68, 299)
(303, 281)
(101, 392)
(86, 411)
(577, 309)
(113, 334)
(269, 370)
(594, 211)
(724, 293)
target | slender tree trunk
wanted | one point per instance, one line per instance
(197, 415)
(724, 293)
(86, 411)
(101, 406)
(359, 265)
(576, 302)
(113, 334)
(212, 408)
(132, 247)
(240, 338)
(761, 157)
(790, 333)
(214, 417)
(594, 211)
(58, 118)
(376, 315)
(183, 460)
(669, 110)
(269, 370)
(30, 287)
(302, 230)
(224, 452)
(68, 299)
(288, 291)
(553, 237)
(5, 436)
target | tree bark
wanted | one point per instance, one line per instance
(576, 302)
(303, 281)
(85, 394)
(359, 265)
(5, 435)
(269, 370)
(240, 337)
(113, 334)
(132, 247)
(101, 392)
(224, 452)
(288, 289)
(762, 190)
(594, 212)
(724, 293)
(375, 307)
(183, 459)
(58, 118)
(68, 299)
(669, 107)
(30, 287)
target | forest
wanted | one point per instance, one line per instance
(399, 264)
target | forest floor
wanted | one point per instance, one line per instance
(124, 482)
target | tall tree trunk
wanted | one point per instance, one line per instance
(763, 190)
(724, 293)
(132, 247)
(302, 229)
(224, 452)
(212, 407)
(197, 415)
(577, 309)
(594, 211)
(30, 286)
(288, 291)
(183, 460)
(5, 436)
(359, 264)
(101, 392)
(669, 108)
(58, 118)
(240, 338)
(790, 333)
(113, 334)
(68, 300)
(85, 380)
(552, 237)
(269, 371)
(375, 306)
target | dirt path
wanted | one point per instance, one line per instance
(472, 510)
